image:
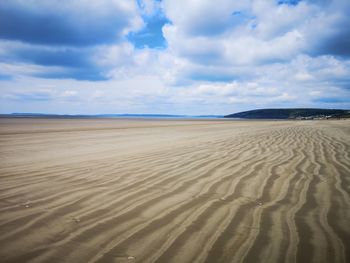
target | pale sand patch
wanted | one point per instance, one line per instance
(127, 190)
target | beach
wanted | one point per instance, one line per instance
(182, 190)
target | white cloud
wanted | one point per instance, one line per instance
(149, 7)
(203, 17)
(221, 56)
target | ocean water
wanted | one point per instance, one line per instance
(135, 116)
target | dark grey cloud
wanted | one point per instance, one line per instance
(88, 73)
(337, 43)
(74, 63)
(329, 33)
(74, 58)
(40, 95)
(288, 2)
(80, 25)
(63, 35)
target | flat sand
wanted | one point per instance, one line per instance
(119, 190)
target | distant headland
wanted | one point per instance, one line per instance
(291, 113)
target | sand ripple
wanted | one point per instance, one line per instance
(186, 191)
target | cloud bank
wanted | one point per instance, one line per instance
(173, 56)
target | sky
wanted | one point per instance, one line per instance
(173, 56)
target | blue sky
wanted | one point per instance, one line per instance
(173, 56)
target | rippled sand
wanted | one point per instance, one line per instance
(174, 191)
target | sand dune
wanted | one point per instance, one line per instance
(174, 191)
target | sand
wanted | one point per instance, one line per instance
(119, 190)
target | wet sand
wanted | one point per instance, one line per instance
(119, 190)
